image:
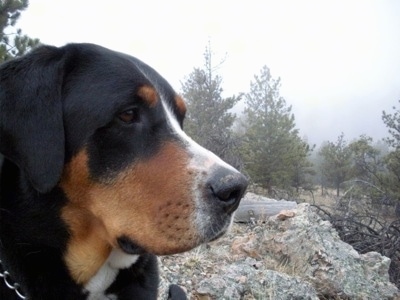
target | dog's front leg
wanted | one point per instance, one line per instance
(176, 293)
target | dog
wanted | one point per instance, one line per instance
(99, 178)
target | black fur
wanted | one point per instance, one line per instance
(52, 102)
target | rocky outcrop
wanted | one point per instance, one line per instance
(292, 255)
(261, 284)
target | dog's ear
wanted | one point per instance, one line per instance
(31, 117)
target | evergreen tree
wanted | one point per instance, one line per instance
(392, 121)
(367, 160)
(209, 118)
(274, 154)
(12, 42)
(336, 163)
(369, 173)
(392, 160)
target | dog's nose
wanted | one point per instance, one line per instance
(228, 187)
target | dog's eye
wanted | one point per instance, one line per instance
(130, 116)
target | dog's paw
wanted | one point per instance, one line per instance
(176, 293)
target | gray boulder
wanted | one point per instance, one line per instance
(312, 250)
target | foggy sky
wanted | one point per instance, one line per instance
(339, 61)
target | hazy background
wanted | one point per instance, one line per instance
(339, 61)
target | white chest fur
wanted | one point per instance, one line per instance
(100, 282)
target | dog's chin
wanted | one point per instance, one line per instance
(128, 246)
(216, 234)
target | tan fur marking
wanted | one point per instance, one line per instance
(180, 104)
(149, 202)
(87, 249)
(149, 95)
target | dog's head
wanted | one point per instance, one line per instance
(107, 130)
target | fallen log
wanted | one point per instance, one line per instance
(252, 211)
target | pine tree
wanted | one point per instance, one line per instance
(12, 42)
(392, 121)
(274, 154)
(336, 163)
(209, 118)
(392, 160)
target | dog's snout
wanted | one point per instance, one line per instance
(228, 187)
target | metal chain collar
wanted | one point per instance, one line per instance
(9, 282)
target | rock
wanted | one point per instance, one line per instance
(308, 247)
(292, 255)
(261, 284)
(285, 214)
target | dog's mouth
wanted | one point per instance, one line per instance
(216, 237)
(179, 242)
(129, 247)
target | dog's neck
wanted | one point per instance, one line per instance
(87, 248)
